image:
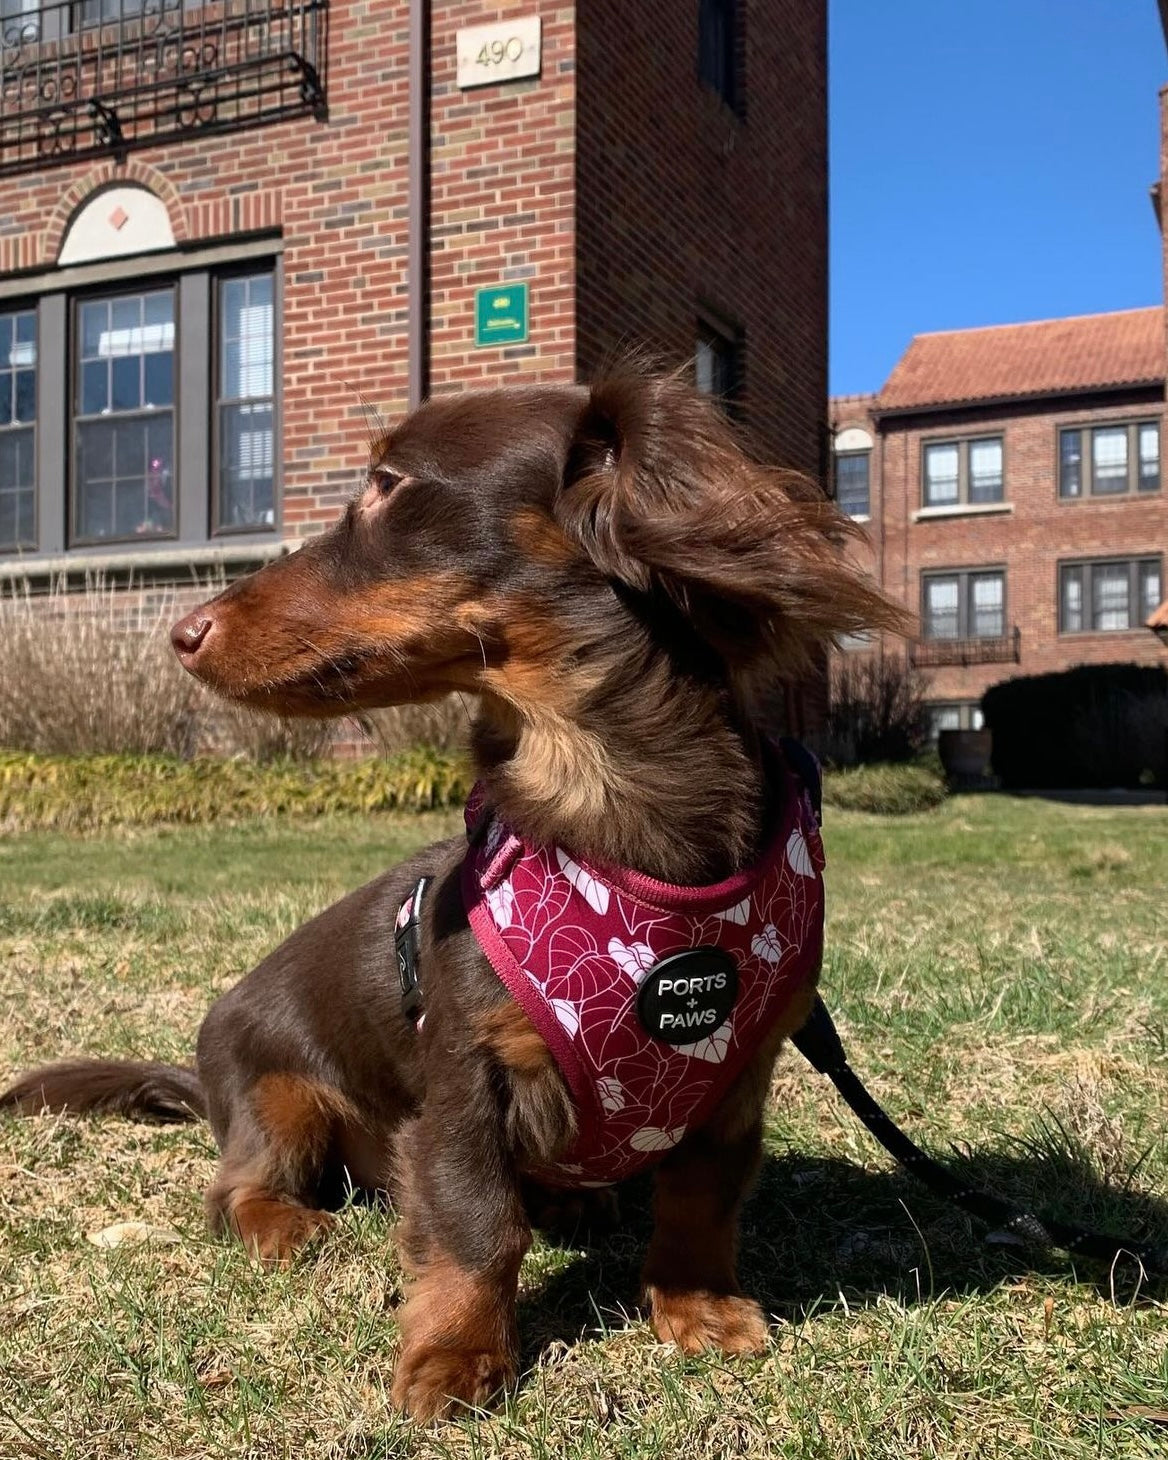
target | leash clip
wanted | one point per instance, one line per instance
(407, 942)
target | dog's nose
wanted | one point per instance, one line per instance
(189, 633)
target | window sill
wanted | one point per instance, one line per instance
(860, 517)
(205, 555)
(1136, 631)
(964, 509)
(1095, 498)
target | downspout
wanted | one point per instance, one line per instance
(418, 250)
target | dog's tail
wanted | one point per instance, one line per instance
(138, 1088)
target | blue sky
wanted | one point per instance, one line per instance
(990, 162)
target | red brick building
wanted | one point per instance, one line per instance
(1012, 486)
(229, 229)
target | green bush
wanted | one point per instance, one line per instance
(1097, 725)
(885, 790)
(90, 793)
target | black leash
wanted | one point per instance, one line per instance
(819, 1043)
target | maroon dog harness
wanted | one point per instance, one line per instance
(651, 997)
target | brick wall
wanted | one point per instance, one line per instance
(627, 212)
(1029, 540)
(684, 204)
(336, 191)
(627, 194)
(503, 198)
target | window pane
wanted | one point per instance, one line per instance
(716, 366)
(851, 483)
(985, 470)
(1110, 589)
(1150, 589)
(941, 611)
(17, 490)
(24, 408)
(125, 478)
(17, 436)
(987, 593)
(941, 467)
(1149, 458)
(159, 379)
(976, 718)
(246, 482)
(1110, 455)
(94, 325)
(123, 442)
(1070, 463)
(125, 317)
(94, 388)
(126, 387)
(1072, 601)
(943, 717)
(716, 46)
(246, 466)
(248, 347)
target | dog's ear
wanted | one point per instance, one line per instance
(664, 500)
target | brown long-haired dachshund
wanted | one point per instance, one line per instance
(613, 577)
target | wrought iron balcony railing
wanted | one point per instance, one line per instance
(83, 78)
(1005, 649)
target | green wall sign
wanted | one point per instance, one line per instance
(501, 315)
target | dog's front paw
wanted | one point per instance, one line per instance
(696, 1321)
(431, 1383)
(274, 1231)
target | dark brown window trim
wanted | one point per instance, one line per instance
(73, 538)
(866, 455)
(1086, 429)
(247, 270)
(14, 309)
(963, 444)
(54, 298)
(964, 600)
(1133, 562)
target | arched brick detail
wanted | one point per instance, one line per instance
(102, 176)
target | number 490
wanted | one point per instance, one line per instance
(494, 53)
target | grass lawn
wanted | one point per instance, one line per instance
(999, 969)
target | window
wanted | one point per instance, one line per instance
(245, 496)
(964, 605)
(99, 12)
(22, 20)
(963, 715)
(718, 48)
(123, 465)
(718, 364)
(851, 482)
(957, 472)
(1108, 597)
(166, 425)
(1120, 459)
(17, 430)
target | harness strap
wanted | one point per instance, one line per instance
(407, 942)
(819, 1042)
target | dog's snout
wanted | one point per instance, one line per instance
(189, 633)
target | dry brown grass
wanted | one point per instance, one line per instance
(92, 672)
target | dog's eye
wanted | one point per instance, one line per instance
(384, 480)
